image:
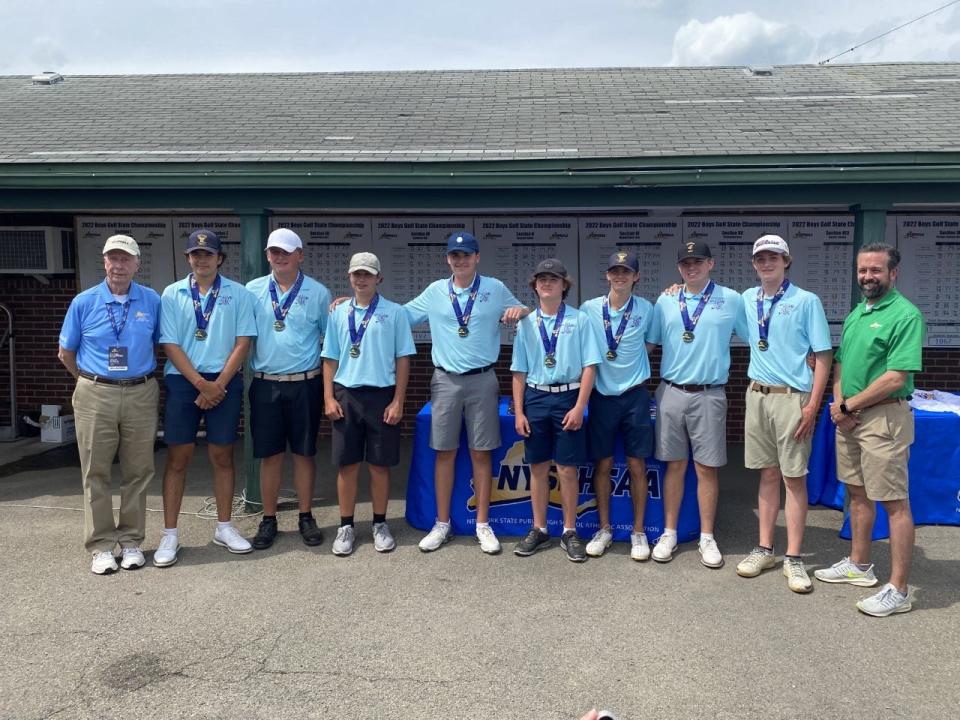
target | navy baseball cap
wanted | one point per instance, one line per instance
(203, 239)
(624, 259)
(462, 242)
(691, 249)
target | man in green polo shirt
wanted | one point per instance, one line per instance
(880, 349)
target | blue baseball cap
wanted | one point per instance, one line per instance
(203, 239)
(624, 259)
(462, 242)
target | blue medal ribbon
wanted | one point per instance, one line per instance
(280, 312)
(463, 316)
(203, 316)
(550, 342)
(763, 320)
(690, 322)
(356, 335)
(613, 341)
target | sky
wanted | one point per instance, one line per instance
(96, 37)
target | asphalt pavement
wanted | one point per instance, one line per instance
(295, 632)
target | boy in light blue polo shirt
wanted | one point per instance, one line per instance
(206, 326)
(366, 365)
(785, 323)
(555, 358)
(620, 401)
(694, 328)
(464, 312)
(286, 393)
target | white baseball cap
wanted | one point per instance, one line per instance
(773, 243)
(365, 261)
(285, 239)
(122, 242)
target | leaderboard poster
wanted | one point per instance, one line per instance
(153, 234)
(731, 241)
(227, 229)
(930, 273)
(822, 251)
(654, 240)
(328, 244)
(413, 253)
(511, 247)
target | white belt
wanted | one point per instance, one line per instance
(293, 377)
(555, 388)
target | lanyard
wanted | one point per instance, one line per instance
(280, 312)
(550, 342)
(763, 320)
(613, 341)
(203, 317)
(463, 316)
(690, 323)
(356, 336)
(117, 329)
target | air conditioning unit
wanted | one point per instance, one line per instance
(36, 250)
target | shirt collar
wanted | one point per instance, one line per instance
(134, 293)
(891, 295)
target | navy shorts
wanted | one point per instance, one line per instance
(285, 413)
(548, 440)
(181, 417)
(361, 434)
(628, 414)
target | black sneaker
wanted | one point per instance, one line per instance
(266, 534)
(535, 540)
(574, 547)
(310, 532)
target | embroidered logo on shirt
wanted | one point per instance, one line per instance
(381, 318)
(484, 296)
(302, 299)
(875, 326)
(224, 300)
(785, 310)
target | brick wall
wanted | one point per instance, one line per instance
(39, 309)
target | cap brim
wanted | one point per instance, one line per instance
(372, 271)
(622, 265)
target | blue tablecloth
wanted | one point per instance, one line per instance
(934, 472)
(510, 512)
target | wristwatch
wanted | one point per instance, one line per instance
(843, 408)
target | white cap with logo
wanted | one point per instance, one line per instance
(285, 239)
(365, 261)
(773, 243)
(122, 242)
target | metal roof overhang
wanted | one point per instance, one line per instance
(661, 172)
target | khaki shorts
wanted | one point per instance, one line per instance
(874, 454)
(771, 421)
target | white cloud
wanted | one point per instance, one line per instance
(741, 39)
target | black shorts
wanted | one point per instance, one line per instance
(285, 412)
(361, 434)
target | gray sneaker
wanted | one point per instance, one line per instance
(534, 541)
(573, 546)
(344, 542)
(756, 562)
(382, 539)
(846, 571)
(886, 602)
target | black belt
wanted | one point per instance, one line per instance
(475, 371)
(114, 381)
(692, 388)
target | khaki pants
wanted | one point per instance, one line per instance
(111, 418)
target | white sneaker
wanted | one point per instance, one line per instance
(599, 542)
(488, 540)
(756, 562)
(132, 558)
(103, 563)
(886, 602)
(439, 535)
(665, 548)
(166, 552)
(639, 547)
(228, 537)
(382, 539)
(796, 575)
(344, 542)
(710, 554)
(847, 571)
